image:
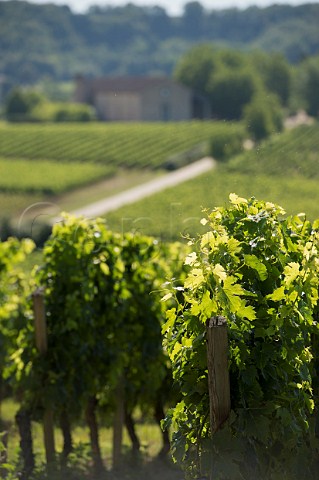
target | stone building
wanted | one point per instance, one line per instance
(140, 99)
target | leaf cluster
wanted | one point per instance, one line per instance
(102, 293)
(258, 269)
(14, 289)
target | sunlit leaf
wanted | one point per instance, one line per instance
(253, 262)
(236, 200)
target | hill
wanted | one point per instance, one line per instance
(51, 42)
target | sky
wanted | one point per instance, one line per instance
(173, 7)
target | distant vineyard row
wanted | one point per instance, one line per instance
(120, 145)
(51, 158)
(292, 154)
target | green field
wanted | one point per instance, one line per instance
(46, 176)
(283, 170)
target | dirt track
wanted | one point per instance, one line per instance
(144, 190)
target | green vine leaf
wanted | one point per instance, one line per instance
(253, 262)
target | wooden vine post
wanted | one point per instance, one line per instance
(42, 346)
(218, 374)
(118, 424)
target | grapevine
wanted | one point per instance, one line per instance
(260, 271)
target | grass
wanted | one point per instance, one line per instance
(177, 212)
(148, 465)
(122, 180)
(283, 170)
(47, 177)
(32, 215)
(11, 203)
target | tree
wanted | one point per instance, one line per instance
(39, 41)
(311, 86)
(104, 316)
(276, 74)
(196, 67)
(16, 106)
(230, 79)
(193, 20)
(15, 289)
(230, 91)
(160, 23)
(19, 104)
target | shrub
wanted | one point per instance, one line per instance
(228, 142)
(73, 112)
(263, 117)
(63, 112)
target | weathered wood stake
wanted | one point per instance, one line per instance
(42, 346)
(119, 418)
(218, 374)
(130, 427)
(23, 420)
(67, 435)
(91, 419)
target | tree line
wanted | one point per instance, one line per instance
(51, 42)
(257, 87)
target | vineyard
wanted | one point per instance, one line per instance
(103, 317)
(113, 326)
(37, 161)
(284, 169)
(258, 271)
(112, 330)
(293, 154)
(117, 145)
